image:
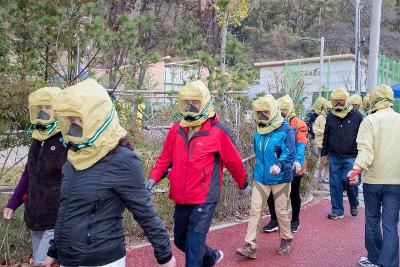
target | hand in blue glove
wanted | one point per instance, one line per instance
(245, 192)
(150, 184)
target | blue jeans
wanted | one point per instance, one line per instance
(382, 251)
(338, 169)
(191, 225)
(40, 244)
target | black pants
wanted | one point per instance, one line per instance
(294, 199)
(191, 225)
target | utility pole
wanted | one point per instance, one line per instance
(78, 62)
(375, 30)
(357, 48)
(321, 65)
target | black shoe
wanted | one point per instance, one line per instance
(335, 216)
(272, 226)
(354, 211)
(295, 226)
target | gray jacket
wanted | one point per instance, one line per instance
(89, 228)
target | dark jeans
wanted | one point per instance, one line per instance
(338, 169)
(295, 200)
(191, 225)
(382, 251)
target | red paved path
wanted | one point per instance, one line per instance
(320, 243)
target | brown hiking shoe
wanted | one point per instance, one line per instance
(247, 251)
(284, 248)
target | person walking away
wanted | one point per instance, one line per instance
(39, 186)
(274, 147)
(299, 166)
(340, 145)
(102, 177)
(378, 141)
(195, 150)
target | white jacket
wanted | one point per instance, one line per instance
(378, 144)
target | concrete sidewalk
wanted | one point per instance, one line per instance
(320, 242)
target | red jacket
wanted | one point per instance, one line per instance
(197, 164)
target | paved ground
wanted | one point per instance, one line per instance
(320, 243)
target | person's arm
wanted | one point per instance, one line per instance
(164, 161)
(52, 254)
(301, 143)
(288, 148)
(365, 146)
(319, 125)
(231, 157)
(131, 189)
(20, 191)
(325, 141)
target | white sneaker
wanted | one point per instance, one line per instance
(364, 262)
(221, 256)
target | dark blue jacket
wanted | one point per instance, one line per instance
(275, 148)
(89, 230)
(310, 119)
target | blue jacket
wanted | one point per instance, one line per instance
(275, 148)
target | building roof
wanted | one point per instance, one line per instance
(306, 60)
(182, 62)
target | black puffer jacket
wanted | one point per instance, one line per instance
(340, 135)
(45, 161)
(89, 229)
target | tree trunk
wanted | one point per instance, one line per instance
(142, 75)
(224, 34)
(69, 67)
(46, 65)
(111, 78)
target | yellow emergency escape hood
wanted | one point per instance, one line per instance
(267, 103)
(90, 102)
(196, 90)
(319, 105)
(338, 94)
(366, 103)
(382, 96)
(327, 105)
(40, 97)
(286, 102)
(356, 100)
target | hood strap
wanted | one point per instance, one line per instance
(262, 124)
(90, 141)
(373, 104)
(49, 127)
(203, 114)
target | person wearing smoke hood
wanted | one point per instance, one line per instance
(339, 144)
(274, 147)
(310, 119)
(378, 142)
(299, 127)
(322, 173)
(40, 182)
(102, 177)
(196, 150)
(357, 102)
